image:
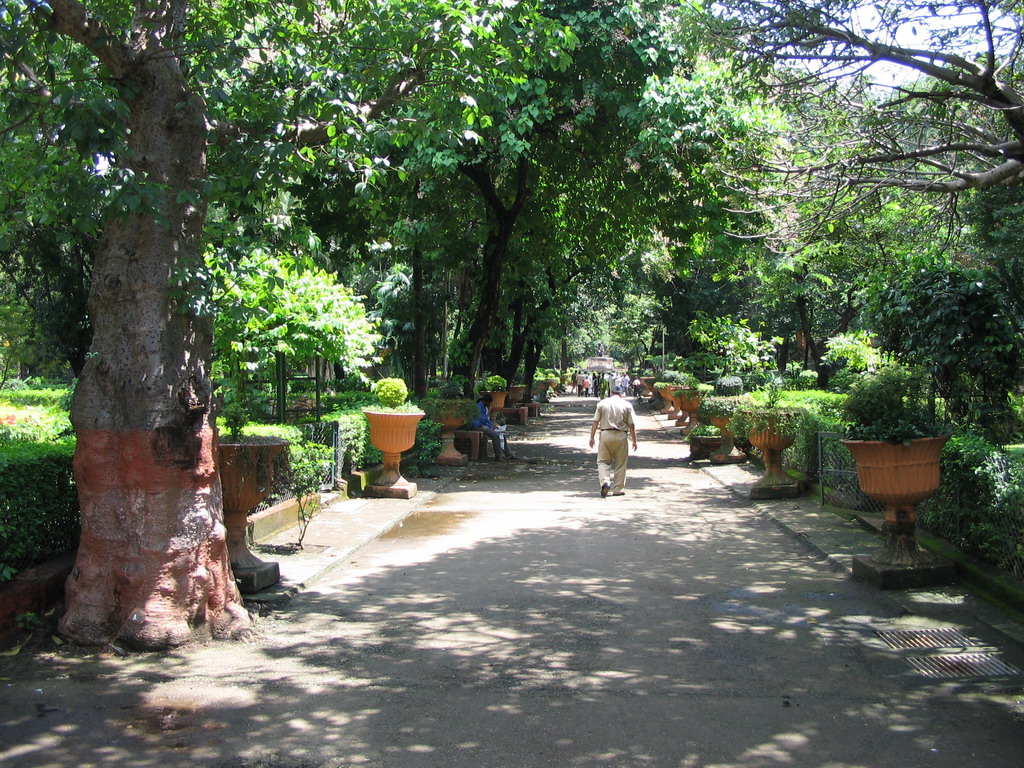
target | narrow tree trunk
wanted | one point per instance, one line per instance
(152, 567)
(515, 352)
(419, 365)
(531, 361)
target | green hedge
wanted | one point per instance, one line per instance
(39, 514)
(979, 507)
(46, 398)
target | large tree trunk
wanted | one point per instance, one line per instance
(152, 566)
(496, 247)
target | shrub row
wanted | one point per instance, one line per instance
(979, 507)
(39, 517)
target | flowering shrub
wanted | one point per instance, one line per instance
(31, 424)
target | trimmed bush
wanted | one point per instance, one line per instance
(729, 386)
(39, 514)
(43, 398)
(354, 439)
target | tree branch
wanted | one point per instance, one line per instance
(72, 20)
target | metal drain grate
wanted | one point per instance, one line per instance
(961, 665)
(945, 637)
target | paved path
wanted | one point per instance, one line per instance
(514, 618)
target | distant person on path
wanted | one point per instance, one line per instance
(483, 423)
(614, 418)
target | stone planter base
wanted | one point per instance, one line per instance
(728, 458)
(775, 491)
(403, 489)
(701, 447)
(929, 570)
(252, 579)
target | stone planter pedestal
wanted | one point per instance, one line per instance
(702, 447)
(391, 434)
(450, 456)
(900, 476)
(776, 482)
(247, 472)
(726, 453)
(688, 402)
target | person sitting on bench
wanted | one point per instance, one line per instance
(483, 423)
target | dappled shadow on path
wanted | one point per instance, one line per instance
(511, 624)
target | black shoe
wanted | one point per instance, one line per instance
(605, 487)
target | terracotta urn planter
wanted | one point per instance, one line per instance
(450, 414)
(688, 401)
(726, 453)
(775, 483)
(391, 434)
(667, 406)
(648, 384)
(497, 399)
(247, 474)
(900, 476)
(516, 394)
(670, 394)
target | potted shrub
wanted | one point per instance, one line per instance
(703, 441)
(719, 411)
(897, 442)
(497, 386)
(771, 429)
(451, 410)
(248, 466)
(392, 431)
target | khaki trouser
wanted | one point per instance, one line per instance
(612, 453)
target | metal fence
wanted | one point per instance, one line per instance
(977, 520)
(837, 473)
(327, 433)
(323, 433)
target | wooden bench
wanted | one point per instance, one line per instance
(474, 444)
(520, 415)
(468, 442)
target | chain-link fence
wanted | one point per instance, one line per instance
(327, 433)
(979, 511)
(320, 432)
(837, 477)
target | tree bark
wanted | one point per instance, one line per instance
(495, 248)
(419, 321)
(531, 361)
(152, 568)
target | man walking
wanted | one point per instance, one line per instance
(614, 418)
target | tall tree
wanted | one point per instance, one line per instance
(936, 85)
(272, 83)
